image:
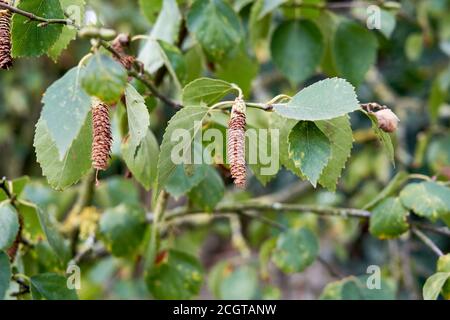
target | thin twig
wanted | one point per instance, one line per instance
(277, 207)
(139, 74)
(427, 241)
(438, 230)
(34, 17)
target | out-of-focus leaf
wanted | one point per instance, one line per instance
(51, 286)
(443, 265)
(395, 183)
(354, 51)
(389, 219)
(5, 274)
(295, 250)
(9, 225)
(434, 285)
(123, 229)
(240, 284)
(151, 8)
(166, 28)
(414, 46)
(297, 48)
(216, 26)
(176, 275)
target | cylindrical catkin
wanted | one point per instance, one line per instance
(6, 60)
(102, 137)
(236, 143)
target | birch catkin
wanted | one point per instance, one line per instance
(236, 143)
(6, 60)
(102, 138)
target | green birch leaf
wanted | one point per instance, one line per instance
(176, 275)
(142, 159)
(66, 107)
(27, 38)
(209, 191)
(297, 48)
(355, 288)
(166, 28)
(388, 24)
(310, 150)
(434, 284)
(427, 199)
(285, 125)
(184, 178)
(150, 9)
(326, 99)
(9, 225)
(340, 135)
(248, 70)
(77, 161)
(75, 11)
(240, 284)
(389, 219)
(205, 91)
(216, 26)
(351, 63)
(269, 6)
(296, 250)
(383, 137)
(104, 78)
(51, 286)
(174, 62)
(137, 113)
(49, 225)
(259, 29)
(181, 130)
(5, 274)
(443, 265)
(123, 229)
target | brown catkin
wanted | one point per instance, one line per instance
(119, 44)
(6, 60)
(236, 143)
(102, 138)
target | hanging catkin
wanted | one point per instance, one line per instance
(5, 38)
(102, 138)
(236, 143)
(119, 44)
